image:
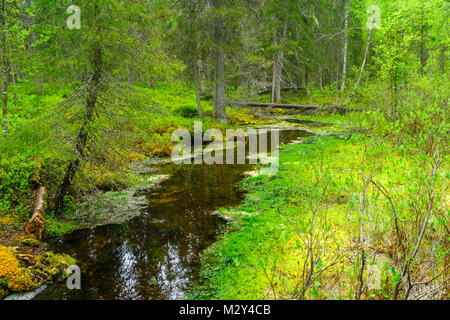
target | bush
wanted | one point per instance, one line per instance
(55, 228)
(187, 111)
(15, 184)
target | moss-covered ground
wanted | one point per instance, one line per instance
(314, 202)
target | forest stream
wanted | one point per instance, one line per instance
(156, 255)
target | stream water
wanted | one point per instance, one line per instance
(156, 255)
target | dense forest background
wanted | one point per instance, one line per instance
(81, 102)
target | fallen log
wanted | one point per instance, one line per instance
(35, 226)
(337, 109)
(269, 90)
(271, 105)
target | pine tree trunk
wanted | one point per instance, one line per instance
(4, 74)
(202, 76)
(320, 76)
(278, 66)
(274, 70)
(337, 75)
(208, 77)
(219, 92)
(219, 106)
(96, 64)
(14, 81)
(197, 80)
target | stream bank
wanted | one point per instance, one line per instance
(155, 255)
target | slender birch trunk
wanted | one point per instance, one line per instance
(367, 51)
(344, 68)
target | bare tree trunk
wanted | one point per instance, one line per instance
(197, 81)
(202, 75)
(422, 42)
(307, 80)
(4, 67)
(96, 63)
(337, 74)
(219, 92)
(14, 81)
(278, 66)
(320, 76)
(274, 69)
(208, 77)
(219, 106)
(344, 68)
(330, 64)
(367, 50)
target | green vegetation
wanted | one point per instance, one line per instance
(356, 217)
(317, 195)
(33, 154)
(358, 212)
(21, 272)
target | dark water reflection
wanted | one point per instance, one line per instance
(156, 255)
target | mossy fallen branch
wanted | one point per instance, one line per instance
(35, 225)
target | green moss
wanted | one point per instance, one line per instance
(263, 255)
(6, 219)
(52, 261)
(54, 228)
(19, 276)
(30, 242)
